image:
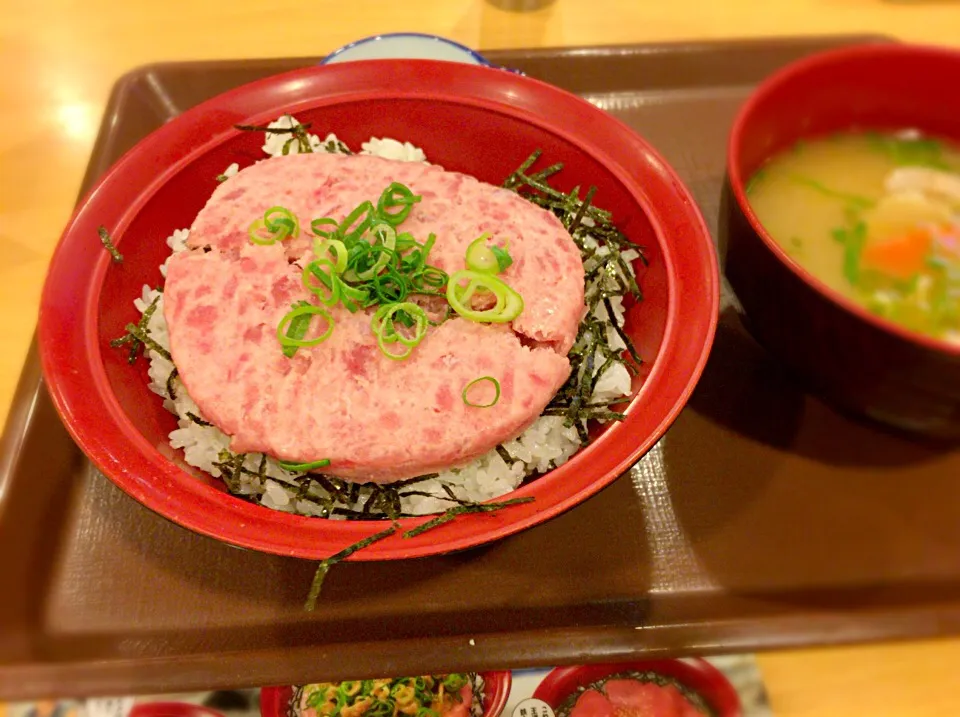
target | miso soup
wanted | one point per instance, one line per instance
(874, 216)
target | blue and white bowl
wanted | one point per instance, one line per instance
(407, 45)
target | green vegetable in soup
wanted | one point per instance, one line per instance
(913, 151)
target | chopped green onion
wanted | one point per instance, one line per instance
(108, 244)
(481, 258)
(277, 224)
(509, 304)
(316, 224)
(853, 199)
(386, 235)
(298, 329)
(432, 276)
(352, 297)
(288, 339)
(853, 241)
(396, 195)
(474, 382)
(328, 290)
(356, 223)
(455, 682)
(504, 260)
(304, 467)
(384, 328)
(487, 259)
(389, 287)
(337, 248)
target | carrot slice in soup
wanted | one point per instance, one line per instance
(900, 257)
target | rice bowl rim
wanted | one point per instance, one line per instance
(70, 348)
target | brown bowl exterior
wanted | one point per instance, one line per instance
(854, 360)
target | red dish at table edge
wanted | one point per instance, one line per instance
(696, 674)
(172, 709)
(157, 180)
(275, 701)
(857, 361)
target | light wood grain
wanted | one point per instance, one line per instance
(60, 59)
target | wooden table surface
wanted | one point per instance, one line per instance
(61, 57)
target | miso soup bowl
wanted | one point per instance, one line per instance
(854, 359)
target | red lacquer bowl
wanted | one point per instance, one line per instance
(476, 120)
(699, 676)
(172, 709)
(854, 359)
(275, 701)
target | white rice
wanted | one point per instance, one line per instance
(546, 444)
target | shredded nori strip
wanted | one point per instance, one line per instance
(324, 567)
(108, 244)
(335, 145)
(143, 336)
(196, 419)
(272, 130)
(231, 469)
(452, 513)
(170, 379)
(137, 335)
(298, 135)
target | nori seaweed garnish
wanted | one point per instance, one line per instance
(324, 567)
(607, 275)
(462, 509)
(137, 335)
(108, 244)
(298, 132)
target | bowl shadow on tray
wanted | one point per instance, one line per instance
(782, 499)
(744, 389)
(453, 594)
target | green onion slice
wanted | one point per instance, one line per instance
(286, 338)
(480, 258)
(277, 224)
(383, 324)
(433, 277)
(487, 259)
(297, 329)
(504, 260)
(304, 467)
(384, 246)
(388, 288)
(474, 382)
(322, 250)
(394, 196)
(353, 297)
(508, 306)
(317, 224)
(356, 223)
(324, 272)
